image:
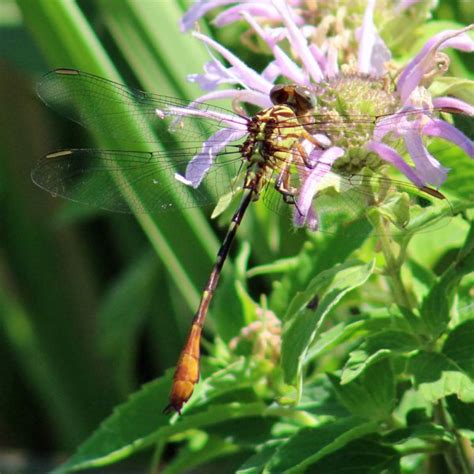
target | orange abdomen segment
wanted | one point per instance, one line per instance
(187, 371)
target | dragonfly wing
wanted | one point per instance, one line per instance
(125, 181)
(115, 109)
(343, 200)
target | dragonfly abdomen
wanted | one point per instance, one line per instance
(187, 370)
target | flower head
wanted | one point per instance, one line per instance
(361, 115)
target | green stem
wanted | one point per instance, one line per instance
(302, 417)
(156, 459)
(393, 264)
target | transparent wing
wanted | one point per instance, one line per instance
(144, 182)
(349, 127)
(97, 103)
(345, 200)
(346, 196)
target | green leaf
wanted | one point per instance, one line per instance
(459, 346)
(360, 457)
(436, 307)
(256, 463)
(139, 422)
(396, 208)
(359, 361)
(337, 335)
(312, 444)
(458, 185)
(282, 265)
(428, 432)
(236, 376)
(131, 427)
(303, 320)
(372, 394)
(426, 250)
(319, 400)
(322, 252)
(249, 307)
(393, 340)
(436, 376)
(191, 456)
(246, 432)
(453, 86)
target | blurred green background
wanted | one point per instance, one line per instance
(92, 304)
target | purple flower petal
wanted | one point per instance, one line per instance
(311, 183)
(271, 72)
(373, 53)
(198, 10)
(287, 67)
(440, 128)
(385, 125)
(264, 11)
(247, 76)
(199, 166)
(214, 75)
(428, 168)
(312, 221)
(318, 55)
(298, 41)
(454, 104)
(332, 69)
(425, 60)
(232, 121)
(391, 156)
(238, 95)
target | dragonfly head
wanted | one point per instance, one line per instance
(299, 98)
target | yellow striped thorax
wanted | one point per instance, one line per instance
(273, 133)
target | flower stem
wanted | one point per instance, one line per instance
(393, 263)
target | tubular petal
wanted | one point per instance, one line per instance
(424, 61)
(311, 183)
(428, 168)
(442, 129)
(391, 156)
(452, 103)
(199, 166)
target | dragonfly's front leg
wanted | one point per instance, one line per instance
(282, 184)
(303, 153)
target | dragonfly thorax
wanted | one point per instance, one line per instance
(273, 134)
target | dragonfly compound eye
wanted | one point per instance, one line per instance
(280, 94)
(304, 98)
(300, 99)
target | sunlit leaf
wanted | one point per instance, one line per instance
(436, 307)
(436, 376)
(303, 319)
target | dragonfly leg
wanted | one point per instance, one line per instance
(282, 185)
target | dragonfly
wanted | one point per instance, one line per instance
(268, 160)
